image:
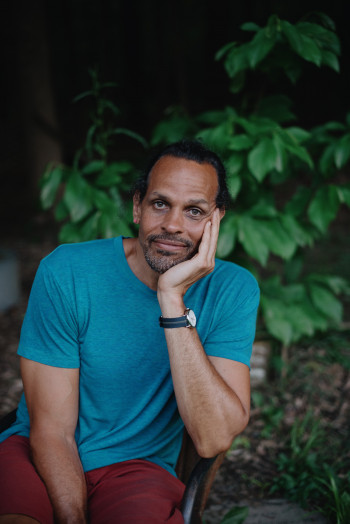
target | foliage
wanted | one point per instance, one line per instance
(89, 195)
(236, 515)
(305, 474)
(282, 177)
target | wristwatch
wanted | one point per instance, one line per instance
(187, 320)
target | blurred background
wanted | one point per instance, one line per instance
(159, 53)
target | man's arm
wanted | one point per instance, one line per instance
(213, 394)
(52, 396)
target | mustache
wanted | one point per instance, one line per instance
(171, 238)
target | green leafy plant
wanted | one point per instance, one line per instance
(89, 196)
(236, 515)
(282, 177)
(306, 474)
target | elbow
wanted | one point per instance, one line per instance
(220, 441)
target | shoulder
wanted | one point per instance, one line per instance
(231, 275)
(80, 255)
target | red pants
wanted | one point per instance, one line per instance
(131, 492)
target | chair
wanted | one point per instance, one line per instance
(195, 472)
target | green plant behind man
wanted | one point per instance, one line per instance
(90, 197)
(282, 177)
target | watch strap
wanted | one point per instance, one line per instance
(177, 322)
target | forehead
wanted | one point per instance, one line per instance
(179, 176)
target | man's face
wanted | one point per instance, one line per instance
(180, 199)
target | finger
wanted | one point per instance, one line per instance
(214, 233)
(205, 240)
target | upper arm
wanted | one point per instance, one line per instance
(237, 377)
(52, 397)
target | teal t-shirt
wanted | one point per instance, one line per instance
(88, 310)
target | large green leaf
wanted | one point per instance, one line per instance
(276, 318)
(262, 159)
(336, 284)
(296, 231)
(310, 50)
(300, 152)
(260, 47)
(276, 238)
(240, 142)
(342, 151)
(281, 155)
(61, 211)
(110, 225)
(50, 183)
(326, 302)
(234, 184)
(237, 60)
(236, 515)
(103, 202)
(89, 228)
(95, 166)
(331, 60)
(227, 236)
(77, 197)
(344, 194)
(217, 137)
(252, 240)
(324, 207)
(111, 175)
(292, 35)
(234, 163)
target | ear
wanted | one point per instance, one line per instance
(222, 213)
(136, 210)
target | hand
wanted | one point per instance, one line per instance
(176, 281)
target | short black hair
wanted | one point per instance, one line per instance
(189, 150)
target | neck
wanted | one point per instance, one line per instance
(137, 263)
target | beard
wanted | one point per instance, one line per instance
(161, 260)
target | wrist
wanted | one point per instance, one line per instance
(171, 305)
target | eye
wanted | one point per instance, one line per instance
(158, 204)
(194, 212)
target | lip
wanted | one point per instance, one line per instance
(167, 245)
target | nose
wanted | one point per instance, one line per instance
(173, 221)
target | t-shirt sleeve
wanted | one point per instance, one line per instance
(49, 332)
(234, 323)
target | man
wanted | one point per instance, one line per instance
(114, 363)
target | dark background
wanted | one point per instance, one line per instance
(160, 53)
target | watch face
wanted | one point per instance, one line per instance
(191, 317)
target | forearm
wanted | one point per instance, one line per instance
(57, 461)
(212, 412)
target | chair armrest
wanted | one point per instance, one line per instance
(197, 488)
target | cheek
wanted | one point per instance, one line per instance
(197, 230)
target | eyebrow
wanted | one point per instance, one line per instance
(191, 202)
